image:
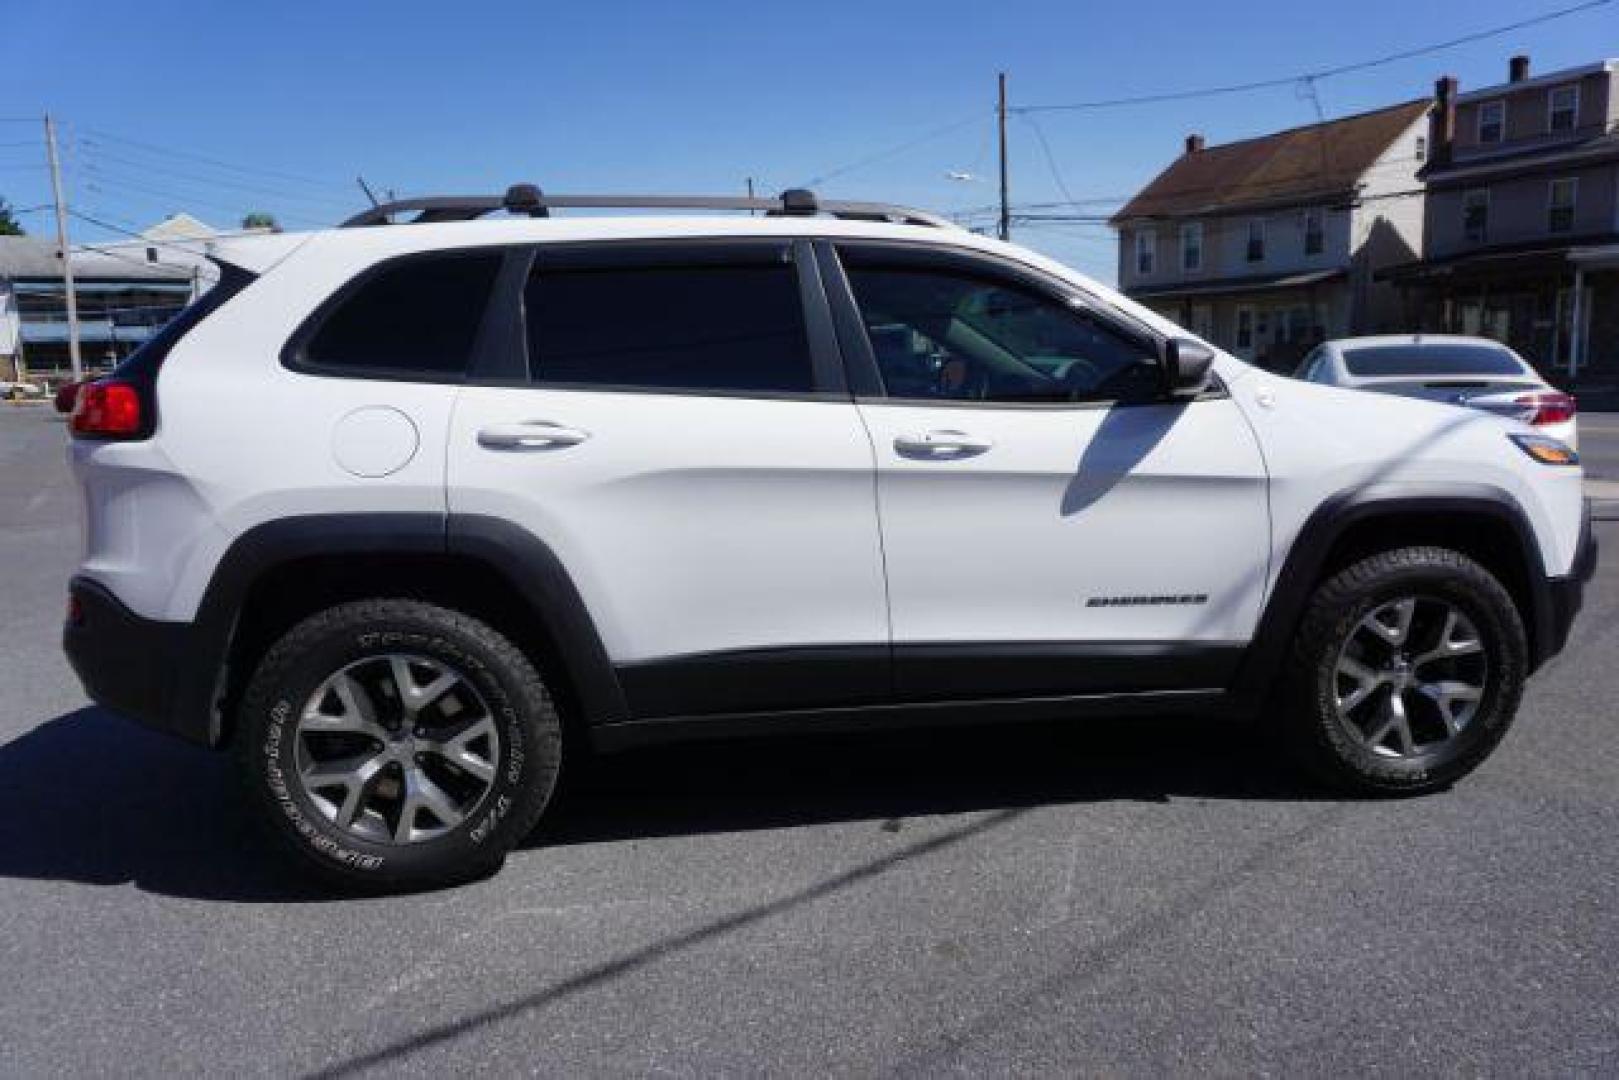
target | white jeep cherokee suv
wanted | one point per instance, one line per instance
(394, 505)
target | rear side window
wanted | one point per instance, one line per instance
(1436, 359)
(416, 317)
(717, 328)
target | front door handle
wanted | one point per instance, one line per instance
(530, 435)
(940, 444)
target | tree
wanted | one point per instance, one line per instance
(260, 220)
(8, 224)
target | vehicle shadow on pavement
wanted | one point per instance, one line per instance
(89, 797)
(890, 776)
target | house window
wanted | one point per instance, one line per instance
(1315, 231)
(1491, 121)
(1256, 240)
(1560, 215)
(1146, 251)
(1245, 328)
(1422, 148)
(1564, 107)
(1476, 215)
(1192, 246)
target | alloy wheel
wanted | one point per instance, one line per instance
(396, 748)
(1410, 677)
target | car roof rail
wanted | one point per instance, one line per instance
(530, 201)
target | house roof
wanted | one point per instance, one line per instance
(1288, 166)
(27, 258)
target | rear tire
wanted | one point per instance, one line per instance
(394, 745)
(1405, 674)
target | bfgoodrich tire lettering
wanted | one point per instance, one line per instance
(1406, 672)
(509, 774)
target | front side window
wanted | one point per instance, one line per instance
(417, 317)
(1476, 215)
(1192, 246)
(947, 335)
(1146, 251)
(1315, 232)
(728, 329)
(1256, 240)
(1563, 104)
(1560, 215)
(1491, 121)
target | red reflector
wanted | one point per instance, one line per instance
(1549, 407)
(75, 610)
(107, 409)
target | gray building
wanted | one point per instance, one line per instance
(1268, 245)
(1522, 219)
(124, 294)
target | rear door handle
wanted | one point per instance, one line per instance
(941, 444)
(530, 435)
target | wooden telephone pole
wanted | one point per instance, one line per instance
(1006, 205)
(66, 255)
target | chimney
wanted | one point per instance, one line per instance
(1194, 143)
(1518, 68)
(1442, 122)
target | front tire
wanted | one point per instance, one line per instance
(395, 744)
(1406, 672)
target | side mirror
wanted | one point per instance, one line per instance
(1188, 365)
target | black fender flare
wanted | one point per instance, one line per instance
(1306, 559)
(521, 559)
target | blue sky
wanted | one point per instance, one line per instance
(687, 97)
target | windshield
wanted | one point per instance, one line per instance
(1440, 358)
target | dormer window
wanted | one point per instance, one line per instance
(1563, 106)
(1491, 121)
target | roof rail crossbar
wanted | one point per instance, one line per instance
(528, 199)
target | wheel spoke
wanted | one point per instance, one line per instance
(358, 715)
(456, 747)
(421, 793)
(416, 696)
(1394, 632)
(1457, 638)
(352, 774)
(1447, 696)
(1366, 681)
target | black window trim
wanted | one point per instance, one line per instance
(293, 356)
(511, 366)
(864, 378)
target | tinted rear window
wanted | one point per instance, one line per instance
(731, 329)
(1435, 359)
(420, 316)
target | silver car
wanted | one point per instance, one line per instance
(1470, 371)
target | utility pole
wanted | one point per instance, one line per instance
(1006, 207)
(751, 213)
(61, 243)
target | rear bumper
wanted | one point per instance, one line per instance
(140, 668)
(1565, 595)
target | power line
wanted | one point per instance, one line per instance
(1323, 73)
(120, 182)
(100, 153)
(152, 148)
(899, 148)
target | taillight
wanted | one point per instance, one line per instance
(107, 409)
(1546, 407)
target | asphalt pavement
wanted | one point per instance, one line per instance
(1154, 896)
